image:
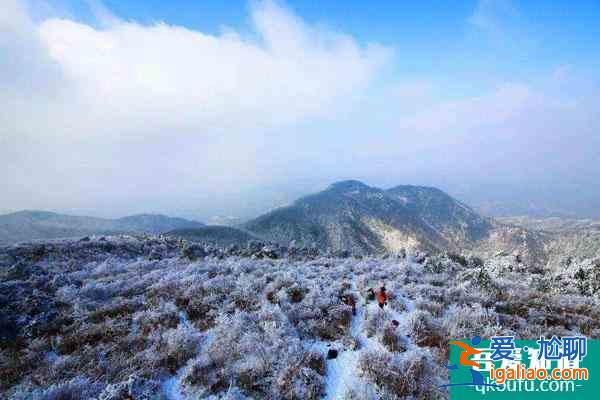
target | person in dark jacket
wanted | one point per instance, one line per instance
(370, 295)
(348, 299)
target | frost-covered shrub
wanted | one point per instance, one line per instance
(375, 323)
(301, 380)
(475, 262)
(433, 307)
(465, 322)
(581, 278)
(501, 264)
(248, 351)
(205, 372)
(535, 330)
(366, 391)
(321, 315)
(458, 259)
(120, 308)
(281, 281)
(407, 374)
(424, 329)
(199, 311)
(165, 316)
(444, 263)
(164, 290)
(335, 323)
(171, 349)
(233, 393)
(482, 279)
(427, 291)
(392, 340)
(13, 366)
(296, 293)
(133, 388)
(79, 388)
(314, 361)
(79, 335)
(246, 296)
(250, 372)
(571, 312)
(193, 251)
(379, 325)
(96, 291)
(103, 310)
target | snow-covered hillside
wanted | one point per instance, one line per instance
(352, 216)
(159, 318)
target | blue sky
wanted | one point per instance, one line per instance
(519, 37)
(495, 101)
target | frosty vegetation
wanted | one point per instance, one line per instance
(158, 318)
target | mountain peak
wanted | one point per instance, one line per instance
(349, 184)
(350, 215)
(421, 188)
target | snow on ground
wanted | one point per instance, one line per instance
(94, 315)
(171, 387)
(342, 372)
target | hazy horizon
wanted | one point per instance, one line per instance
(514, 209)
(197, 110)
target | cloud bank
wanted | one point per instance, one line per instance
(121, 117)
(100, 107)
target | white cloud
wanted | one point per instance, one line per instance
(126, 77)
(493, 108)
(98, 106)
(167, 74)
(527, 131)
(128, 117)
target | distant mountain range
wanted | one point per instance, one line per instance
(350, 216)
(30, 225)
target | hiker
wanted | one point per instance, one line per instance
(348, 299)
(382, 297)
(370, 295)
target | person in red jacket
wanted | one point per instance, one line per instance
(382, 297)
